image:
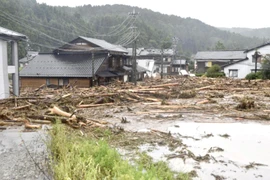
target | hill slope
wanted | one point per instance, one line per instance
(49, 27)
(263, 33)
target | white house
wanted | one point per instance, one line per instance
(241, 68)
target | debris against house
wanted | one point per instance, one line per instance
(69, 104)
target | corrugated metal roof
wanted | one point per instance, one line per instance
(105, 45)
(220, 55)
(51, 65)
(9, 34)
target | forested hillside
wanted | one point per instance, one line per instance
(263, 33)
(48, 27)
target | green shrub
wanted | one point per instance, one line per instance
(258, 75)
(199, 74)
(214, 72)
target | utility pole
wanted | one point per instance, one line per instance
(93, 68)
(162, 51)
(134, 61)
(256, 55)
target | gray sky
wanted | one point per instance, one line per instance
(218, 13)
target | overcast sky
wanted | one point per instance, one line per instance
(218, 13)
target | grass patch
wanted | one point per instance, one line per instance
(75, 158)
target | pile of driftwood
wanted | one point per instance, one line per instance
(45, 105)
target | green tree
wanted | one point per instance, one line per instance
(214, 71)
(219, 46)
(266, 67)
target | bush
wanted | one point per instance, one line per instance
(214, 71)
(258, 75)
(199, 74)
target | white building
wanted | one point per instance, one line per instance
(241, 68)
(6, 36)
(149, 65)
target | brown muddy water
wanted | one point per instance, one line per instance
(236, 150)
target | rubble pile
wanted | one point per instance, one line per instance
(47, 105)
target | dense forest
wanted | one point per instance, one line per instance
(49, 27)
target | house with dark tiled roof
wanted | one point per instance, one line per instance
(252, 63)
(206, 59)
(82, 62)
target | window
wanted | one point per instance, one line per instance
(258, 59)
(63, 82)
(121, 62)
(208, 64)
(48, 82)
(112, 62)
(165, 70)
(233, 73)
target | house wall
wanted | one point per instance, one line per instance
(37, 82)
(202, 68)
(246, 67)
(32, 82)
(80, 82)
(4, 83)
(242, 67)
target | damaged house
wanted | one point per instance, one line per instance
(83, 62)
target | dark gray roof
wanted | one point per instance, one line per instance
(140, 69)
(257, 47)
(235, 62)
(105, 45)
(7, 34)
(148, 52)
(106, 74)
(220, 55)
(179, 62)
(51, 65)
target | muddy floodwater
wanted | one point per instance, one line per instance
(244, 149)
(226, 149)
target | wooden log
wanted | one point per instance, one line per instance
(93, 105)
(205, 88)
(164, 85)
(40, 121)
(203, 101)
(3, 123)
(57, 111)
(21, 107)
(101, 95)
(49, 118)
(31, 126)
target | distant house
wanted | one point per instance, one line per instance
(83, 62)
(243, 67)
(178, 65)
(155, 54)
(206, 59)
(30, 56)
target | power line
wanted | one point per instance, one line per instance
(13, 19)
